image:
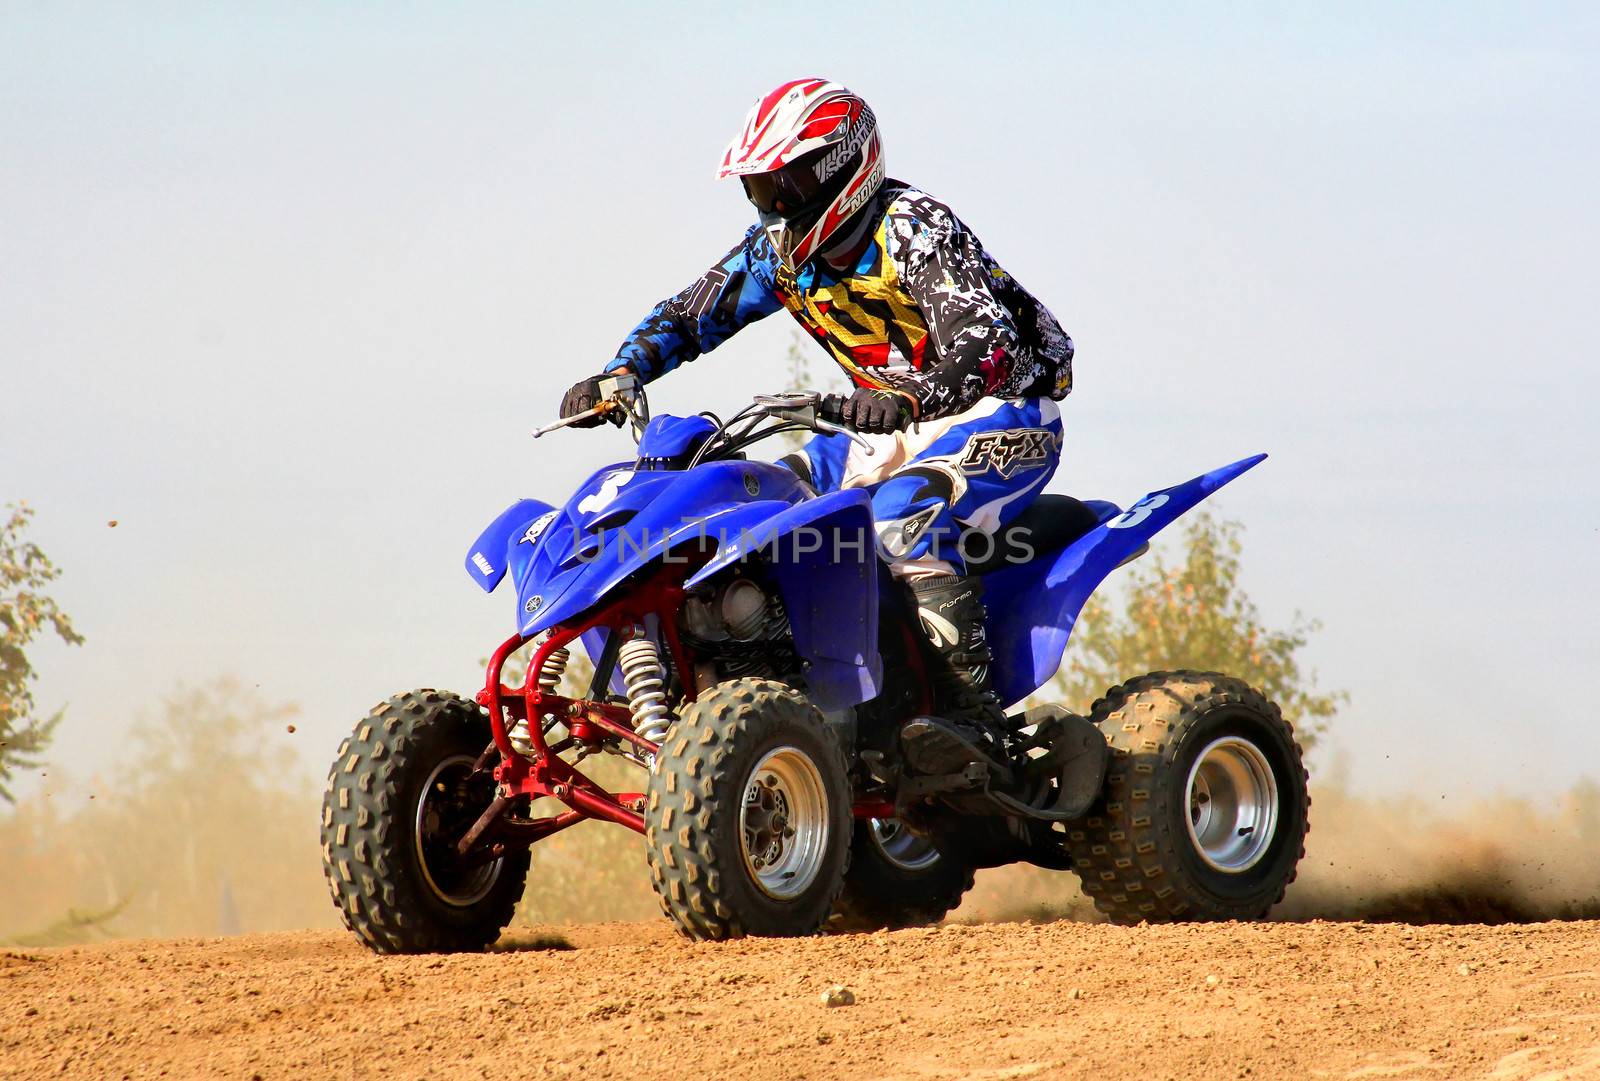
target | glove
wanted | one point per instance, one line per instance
(585, 395)
(875, 411)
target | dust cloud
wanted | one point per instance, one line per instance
(211, 829)
(1402, 859)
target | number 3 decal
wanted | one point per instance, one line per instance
(1138, 512)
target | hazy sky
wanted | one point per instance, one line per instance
(284, 288)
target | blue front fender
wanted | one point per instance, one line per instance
(490, 555)
(1032, 607)
(824, 554)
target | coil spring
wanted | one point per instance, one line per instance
(645, 680)
(550, 673)
(521, 741)
(555, 666)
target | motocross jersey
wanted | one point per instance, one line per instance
(922, 309)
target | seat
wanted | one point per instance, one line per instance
(1047, 525)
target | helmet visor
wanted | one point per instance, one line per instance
(788, 191)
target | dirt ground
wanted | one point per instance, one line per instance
(1001, 1001)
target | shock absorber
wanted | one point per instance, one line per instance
(646, 681)
(549, 678)
(555, 666)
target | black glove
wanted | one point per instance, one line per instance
(869, 410)
(585, 395)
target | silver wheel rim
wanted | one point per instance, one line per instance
(901, 847)
(1231, 802)
(475, 885)
(783, 823)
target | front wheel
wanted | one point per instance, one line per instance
(748, 814)
(896, 879)
(399, 796)
(1204, 812)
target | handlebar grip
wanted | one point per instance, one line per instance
(831, 408)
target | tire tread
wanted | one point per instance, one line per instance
(1127, 859)
(690, 875)
(365, 856)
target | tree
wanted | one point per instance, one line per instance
(800, 376)
(1192, 613)
(26, 612)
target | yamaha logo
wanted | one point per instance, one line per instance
(535, 602)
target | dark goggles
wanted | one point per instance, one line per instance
(786, 192)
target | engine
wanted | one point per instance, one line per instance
(740, 627)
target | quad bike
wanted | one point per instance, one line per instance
(756, 662)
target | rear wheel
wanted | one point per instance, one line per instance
(748, 814)
(896, 879)
(400, 795)
(1204, 813)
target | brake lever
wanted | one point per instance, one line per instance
(808, 418)
(566, 422)
(849, 433)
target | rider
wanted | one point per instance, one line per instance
(936, 336)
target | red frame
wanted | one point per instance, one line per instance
(546, 774)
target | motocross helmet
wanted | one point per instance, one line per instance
(810, 158)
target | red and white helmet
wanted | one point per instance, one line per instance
(809, 157)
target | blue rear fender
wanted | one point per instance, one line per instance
(1033, 607)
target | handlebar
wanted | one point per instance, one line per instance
(811, 410)
(623, 399)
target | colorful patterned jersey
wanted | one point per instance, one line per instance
(922, 309)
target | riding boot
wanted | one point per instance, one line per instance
(970, 726)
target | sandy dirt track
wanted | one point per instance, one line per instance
(993, 1002)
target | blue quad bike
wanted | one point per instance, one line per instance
(756, 662)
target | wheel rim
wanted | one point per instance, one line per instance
(1232, 804)
(444, 813)
(783, 823)
(901, 847)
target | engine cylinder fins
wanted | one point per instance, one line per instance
(645, 680)
(744, 609)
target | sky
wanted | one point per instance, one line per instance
(285, 288)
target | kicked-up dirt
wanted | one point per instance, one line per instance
(1002, 1001)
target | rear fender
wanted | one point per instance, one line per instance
(1033, 607)
(492, 553)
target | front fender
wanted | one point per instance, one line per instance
(491, 554)
(1033, 607)
(589, 576)
(824, 555)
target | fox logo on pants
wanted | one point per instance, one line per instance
(1006, 452)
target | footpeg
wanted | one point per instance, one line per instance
(937, 747)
